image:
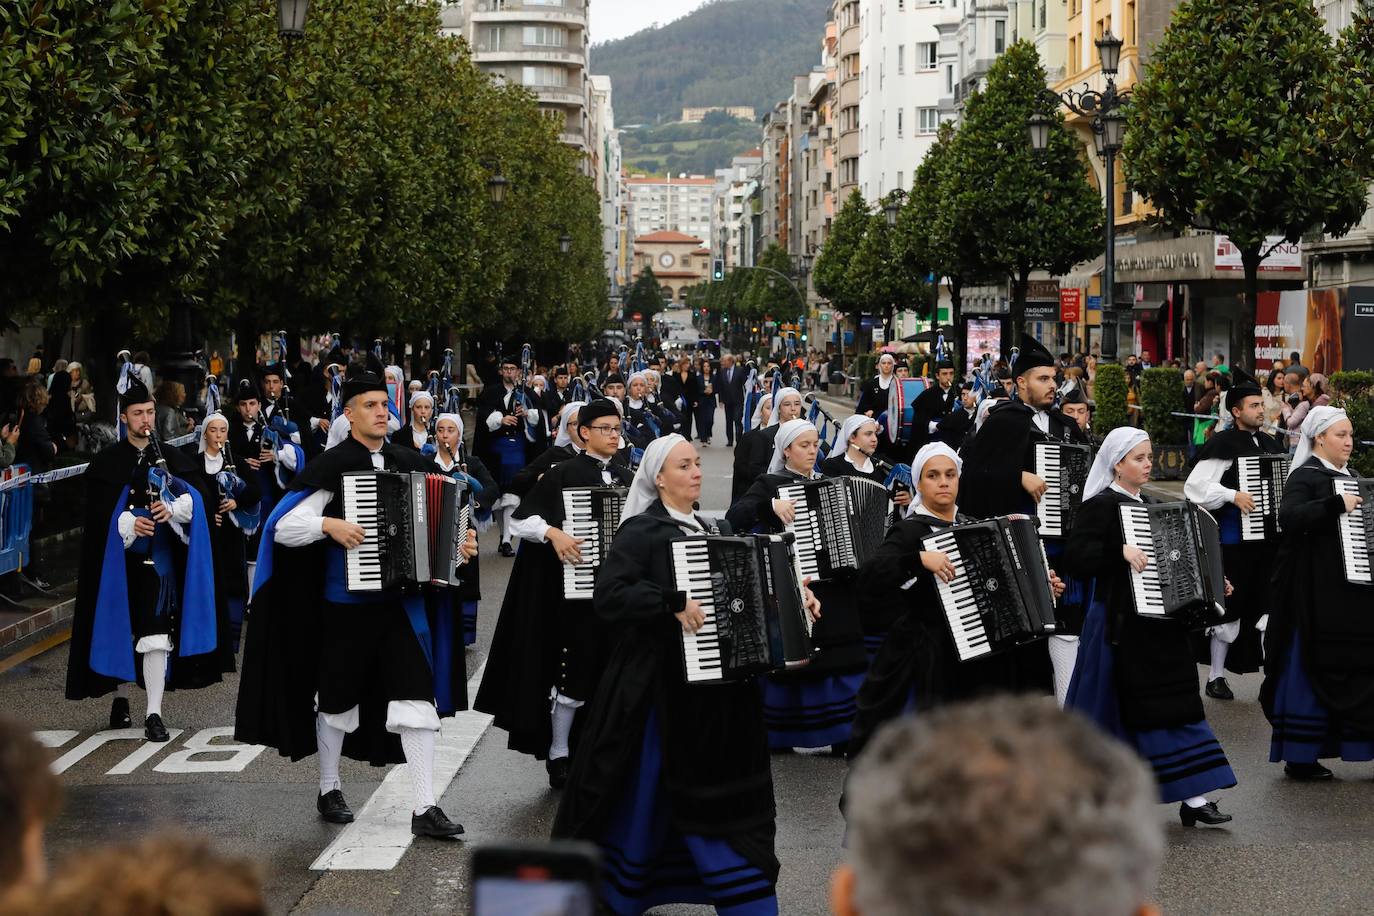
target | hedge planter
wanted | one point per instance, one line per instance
(1171, 462)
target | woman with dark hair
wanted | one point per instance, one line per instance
(35, 446)
(58, 414)
(706, 400)
(1313, 395)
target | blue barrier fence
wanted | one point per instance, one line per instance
(16, 518)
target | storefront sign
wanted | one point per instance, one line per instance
(1070, 305)
(1284, 256)
(1042, 311)
(1094, 303)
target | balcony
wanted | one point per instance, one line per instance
(572, 13)
(557, 95)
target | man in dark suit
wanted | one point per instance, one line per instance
(1191, 391)
(730, 387)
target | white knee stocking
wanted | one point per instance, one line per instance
(507, 516)
(563, 713)
(418, 745)
(1063, 656)
(154, 679)
(1219, 650)
(330, 741)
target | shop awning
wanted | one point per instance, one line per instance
(1150, 310)
(1083, 274)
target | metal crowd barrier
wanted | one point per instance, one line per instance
(16, 505)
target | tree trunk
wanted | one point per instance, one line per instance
(1250, 260)
(1019, 285)
(956, 306)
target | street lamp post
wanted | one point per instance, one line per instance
(291, 18)
(565, 243)
(1109, 129)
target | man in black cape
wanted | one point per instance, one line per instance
(505, 422)
(334, 671)
(999, 468)
(930, 409)
(146, 585)
(547, 652)
(1214, 484)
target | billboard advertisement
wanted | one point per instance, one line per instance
(984, 335)
(1330, 329)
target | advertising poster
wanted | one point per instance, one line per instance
(984, 336)
(1330, 329)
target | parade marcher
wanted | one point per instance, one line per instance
(933, 405)
(1075, 406)
(672, 780)
(1214, 484)
(332, 671)
(548, 650)
(873, 396)
(1318, 691)
(417, 433)
(563, 448)
(506, 428)
(453, 459)
(234, 518)
(145, 605)
(814, 705)
(643, 423)
(557, 397)
(754, 453)
(1134, 676)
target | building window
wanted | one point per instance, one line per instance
(926, 54)
(899, 181)
(899, 123)
(556, 77)
(544, 36)
(999, 36)
(949, 79)
(1044, 20)
(927, 120)
(901, 59)
(497, 38)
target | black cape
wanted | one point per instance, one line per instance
(230, 545)
(279, 680)
(995, 458)
(523, 662)
(932, 405)
(753, 452)
(716, 772)
(1315, 602)
(110, 471)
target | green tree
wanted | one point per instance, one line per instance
(768, 295)
(1354, 94)
(1031, 210)
(1238, 127)
(886, 270)
(645, 297)
(831, 273)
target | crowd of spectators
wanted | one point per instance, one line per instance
(46, 410)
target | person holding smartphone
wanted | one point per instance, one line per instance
(671, 780)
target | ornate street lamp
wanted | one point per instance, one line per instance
(291, 18)
(1108, 125)
(893, 207)
(497, 185)
(565, 243)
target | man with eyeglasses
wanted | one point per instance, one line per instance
(547, 651)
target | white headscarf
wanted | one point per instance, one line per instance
(918, 464)
(758, 411)
(457, 420)
(644, 489)
(850, 427)
(787, 434)
(1115, 447)
(883, 383)
(1317, 421)
(983, 407)
(643, 376)
(777, 402)
(205, 425)
(569, 410)
(417, 397)
(339, 430)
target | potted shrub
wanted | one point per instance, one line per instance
(1354, 393)
(1160, 390)
(1109, 399)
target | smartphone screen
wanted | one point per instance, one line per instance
(558, 880)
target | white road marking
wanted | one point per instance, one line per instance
(183, 761)
(380, 835)
(125, 766)
(55, 737)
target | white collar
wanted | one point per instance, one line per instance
(685, 520)
(866, 467)
(634, 404)
(1331, 467)
(445, 467)
(883, 383)
(1124, 492)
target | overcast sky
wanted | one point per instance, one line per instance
(613, 19)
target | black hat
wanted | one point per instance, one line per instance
(508, 361)
(943, 364)
(590, 413)
(361, 383)
(336, 358)
(374, 365)
(246, 390)
(1074, 396)
(1243, 385)
(615, 378)
(559, 370)
(136, 393)
(1033, 355)
(277, 369)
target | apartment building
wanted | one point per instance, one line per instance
(680, 203)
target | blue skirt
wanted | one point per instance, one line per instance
(469, 623)
(1187, 760)
(816, 713)
(647, 863)
(1303, 731)
(510, 458)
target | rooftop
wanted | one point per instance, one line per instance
(667, 236)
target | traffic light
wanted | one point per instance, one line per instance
(718, 269)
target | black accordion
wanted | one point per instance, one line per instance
(414, 524)
(1184, 580)
(1064, 468)
(591, 514)
(1000, 596)
(1357, 529)
(756, 618)
(839, 523)
(1263, 477)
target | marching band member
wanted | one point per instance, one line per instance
(873, 396)
(562, 449)
(503, 440)
(756, 439)
(227, 531)
(1214, 484)
(645, 423)
(1318, 688)
(813, 706)
(332, 671)
(672, 780)
(548, 650)
(145, 601)
(416, 434)
(1134, 676)
(933, 405)
(758, 450)
(452, 458)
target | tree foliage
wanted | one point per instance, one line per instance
(1243, 125)
(1030, 210)
(885, 272)
(1109, 395)
(832, 275)
(769, 295)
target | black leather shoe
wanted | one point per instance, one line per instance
(119, 714)
(506, 550)
(434, 823)
(154, 730)
(1220, 690)
(1306, 772)
(333, 808)
(558, 772)
(1207, 814)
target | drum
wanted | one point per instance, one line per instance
(901, 402)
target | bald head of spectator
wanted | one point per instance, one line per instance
(29, 797)
(1006, 806)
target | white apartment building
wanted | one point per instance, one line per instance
(606, 166)
(900, 87)
(539, 44)
(672, 204)
(973, 33)
(730, 207)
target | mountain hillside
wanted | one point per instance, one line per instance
(729, 52)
